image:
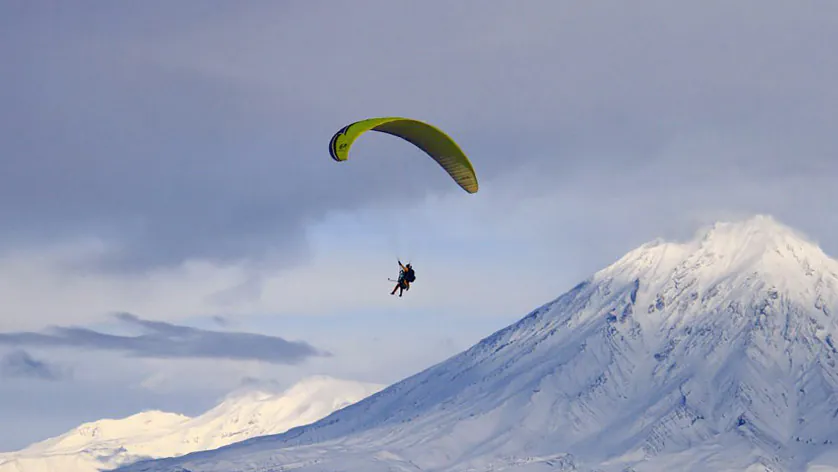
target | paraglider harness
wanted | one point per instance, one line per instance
(407, 275)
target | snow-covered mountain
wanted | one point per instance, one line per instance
(711, 355)
(106, 444)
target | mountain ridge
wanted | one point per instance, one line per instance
(108, 443)
(718, 350)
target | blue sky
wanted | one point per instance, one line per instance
(170, 161)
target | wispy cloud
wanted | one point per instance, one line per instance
(21, 364)
(167, 340)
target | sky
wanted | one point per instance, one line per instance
(173, 228)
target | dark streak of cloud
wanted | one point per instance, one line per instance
(169, 341)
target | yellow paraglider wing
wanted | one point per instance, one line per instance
(428, 138)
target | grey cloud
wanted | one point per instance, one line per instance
(184, 131)
(20, 364)
(170, 341)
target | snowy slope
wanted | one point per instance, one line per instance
(106, 444)
(715, 354)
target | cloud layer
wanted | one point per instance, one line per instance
(189, 132)
(168, 341)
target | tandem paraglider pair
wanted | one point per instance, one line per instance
(436, 144)
(406, 277)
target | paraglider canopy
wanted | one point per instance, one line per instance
(436, 144)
